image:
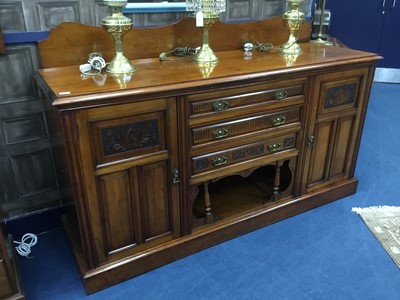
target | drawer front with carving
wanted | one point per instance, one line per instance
(251, 125)
(233, 102)
(237, 155)
(137, 135)
(340, 91)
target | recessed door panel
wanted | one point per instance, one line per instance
(155, 201)
(119, 212)
(320, 154)
(341, 147)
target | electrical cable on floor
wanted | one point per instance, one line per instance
(24, 247)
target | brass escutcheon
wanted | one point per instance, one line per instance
(220, 133)
(220, 105)
(279, 120)
(281, 94)
(175, 176)
(310, 140)
(274, 147)
(219, 161)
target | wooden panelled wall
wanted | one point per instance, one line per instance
(27, 163)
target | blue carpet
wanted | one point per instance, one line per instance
(325, 253)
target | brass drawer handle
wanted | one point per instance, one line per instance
(274, 147)
(220, 105)
(279, 120)
(219, 161)
(220, 133)
(281, 94)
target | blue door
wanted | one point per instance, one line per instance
(369, 25)
(390, 41)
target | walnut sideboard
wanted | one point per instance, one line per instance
(178, 157)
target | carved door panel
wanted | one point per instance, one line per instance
(333, 132)
(128, 153)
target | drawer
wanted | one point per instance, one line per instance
(340, 91)
(240, 154)
(226, 130)
(228, 101)
(126, 137)
(125, 131)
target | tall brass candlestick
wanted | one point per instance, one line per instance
(323, 24)
(118, 25)
(207, 12)
(294, 18)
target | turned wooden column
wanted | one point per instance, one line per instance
(277, 181)
(209, 216)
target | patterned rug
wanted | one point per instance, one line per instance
(384, 223)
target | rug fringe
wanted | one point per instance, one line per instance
(382, 208)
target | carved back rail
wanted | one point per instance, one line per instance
(70, 43)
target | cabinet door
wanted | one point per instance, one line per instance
(127, 154)
(337, 110)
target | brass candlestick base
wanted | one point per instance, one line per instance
(294, 19)
(206, 54)
(290, 59)
(118, 25)
(206, 68)
(322, 42)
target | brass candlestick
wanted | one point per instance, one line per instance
(207, 13)
(321, 22)
(118, 25)
(294, 18)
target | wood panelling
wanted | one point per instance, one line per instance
(23, 128)
(33, 172)
(12, 16)
(51, 13)
(2, 46)
(18, 66)
(35, 15)
(241, 10)
(27, 172)
(268, 8)
(156, 19)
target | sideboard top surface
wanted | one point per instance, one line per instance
(70, 88)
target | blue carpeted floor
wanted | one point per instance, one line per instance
(326, 253)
